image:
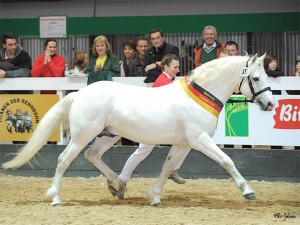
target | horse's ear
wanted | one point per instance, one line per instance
(246, 53)
(262, 57)
(246, 69)
(253, 59)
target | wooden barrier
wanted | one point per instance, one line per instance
(270, 165)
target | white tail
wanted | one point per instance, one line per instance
(49, 123)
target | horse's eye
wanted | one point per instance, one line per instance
(255, 78)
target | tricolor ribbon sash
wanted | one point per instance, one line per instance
(202, 97)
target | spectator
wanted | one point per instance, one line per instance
(142, 45)
(153, 57)
(130, 65)
(80, 61)
(79, 64)
(272, 70)
(170, 65)
(232, 47)
(210, 48)
(14, 61)
(296, 74)
(49, 64)
(104, 65)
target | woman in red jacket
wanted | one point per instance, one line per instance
(49, 64)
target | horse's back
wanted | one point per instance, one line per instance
(123, 92)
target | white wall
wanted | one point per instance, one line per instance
(85, 8)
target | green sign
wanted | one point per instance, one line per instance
(236, 119)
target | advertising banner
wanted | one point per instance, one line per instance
(20, 115)
(246, 124)
(236, 118)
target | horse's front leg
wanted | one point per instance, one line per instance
(175, 154)
(64, 160)
(94, 154)
(206, 145)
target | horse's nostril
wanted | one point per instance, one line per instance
(270, 105)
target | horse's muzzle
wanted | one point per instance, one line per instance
(268, 107)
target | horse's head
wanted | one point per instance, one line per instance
(254, 83)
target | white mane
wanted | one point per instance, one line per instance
(209, 71)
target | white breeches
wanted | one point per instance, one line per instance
(134, 160)
(138, 156)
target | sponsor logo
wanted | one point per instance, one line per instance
(287, 114)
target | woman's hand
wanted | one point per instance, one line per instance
(98, 67)
(47, 57)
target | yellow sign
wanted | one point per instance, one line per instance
(20, 115)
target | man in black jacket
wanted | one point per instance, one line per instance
(153, 57)
(14, 61)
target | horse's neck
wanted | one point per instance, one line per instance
(221, 77)
(222, 87)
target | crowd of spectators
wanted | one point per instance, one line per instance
(140, 59)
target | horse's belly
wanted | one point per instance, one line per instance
(149, 134)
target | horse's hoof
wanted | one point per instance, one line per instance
(57, 204)
(250, 196)
(120, 193)
(154, 197)
(156, 204)
(122, 188)
(112, 190)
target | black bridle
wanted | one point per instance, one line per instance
(254, 94)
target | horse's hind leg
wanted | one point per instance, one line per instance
(94, 154)
(209, 148)
(175, 154)
(64, 160)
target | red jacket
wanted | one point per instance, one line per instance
(162, 80)
(54, 68)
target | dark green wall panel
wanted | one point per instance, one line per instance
(262, 22)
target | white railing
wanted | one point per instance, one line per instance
(75, 83)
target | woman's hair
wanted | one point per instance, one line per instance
(224, 52)
(79, 60)
(103, 39)
(268, 59)
(167, 60)
(129, 43)
(49, 40)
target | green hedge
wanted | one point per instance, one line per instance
(260, 22)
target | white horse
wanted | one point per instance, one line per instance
(183, 114)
